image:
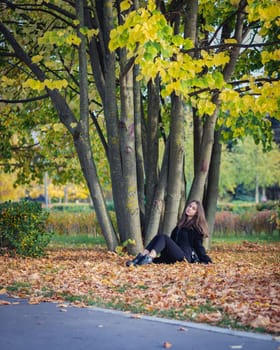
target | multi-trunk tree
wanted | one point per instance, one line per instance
(142, 66)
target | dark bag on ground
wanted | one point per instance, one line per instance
(194, 258)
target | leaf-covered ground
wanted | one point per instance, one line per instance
(241, 289)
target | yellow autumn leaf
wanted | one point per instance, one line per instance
(125, 5)
(57, 127)
(5, 81)
(50, 64)
(37, 58)
(235, 3)
(56, 84)
(220, 59)
(73, 39)
(229, 95)
(270, 56)
(228, 122)
(151, 5)
(269, 13)
(33, 84)
(247, 101)
(92, 32)
(205, 107)
(230, 41)
(167, 345)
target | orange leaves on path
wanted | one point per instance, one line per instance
(241, 288)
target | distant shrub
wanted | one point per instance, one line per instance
(225, 222)
(78, 207)
(74, 223)
(22, 228)
(72, 208)
(269, 205)
(236, 207)
(249, 222)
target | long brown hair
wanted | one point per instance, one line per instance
(198, 221)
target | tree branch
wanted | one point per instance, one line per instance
(230, 45)
(99, 131)
(31, 99)
(234, 83)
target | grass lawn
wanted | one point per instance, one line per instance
(89, 241)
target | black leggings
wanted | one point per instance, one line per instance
(169, 251)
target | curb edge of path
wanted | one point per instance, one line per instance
(199, 326)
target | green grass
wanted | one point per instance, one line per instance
(89, 241)
(19, 287)
(81, 240)
(260, 238)
(185, 313)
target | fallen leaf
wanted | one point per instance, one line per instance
(33, 302)
(167, 345)
(62, 305)
(62, 310)
(260, 321)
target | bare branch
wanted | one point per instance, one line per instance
(31, 99)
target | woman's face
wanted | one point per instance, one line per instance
(191, 209)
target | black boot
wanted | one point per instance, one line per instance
(146, 259)
(135, 261)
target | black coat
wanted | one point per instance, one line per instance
(190, 239)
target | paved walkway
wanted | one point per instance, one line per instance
(47, 326)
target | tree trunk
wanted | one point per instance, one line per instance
(183, 196)
(152, 144)
(175, 167)
(131, 214)
(197, 136)
(140, 166)
(213, 186)
(257, 190)
(198, 184)
(158, 201)
(264, 197)
(82, 141)
(106, 17)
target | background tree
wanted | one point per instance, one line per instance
(246, 164)
(7, 190)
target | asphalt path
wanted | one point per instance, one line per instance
(51, 326)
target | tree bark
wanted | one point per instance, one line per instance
(83, 145)
(158, 201)
(140, 165)
(212, 191)
(198, 184)
(175, 167)
(131, 214)
(152, 144)
(108, 62)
